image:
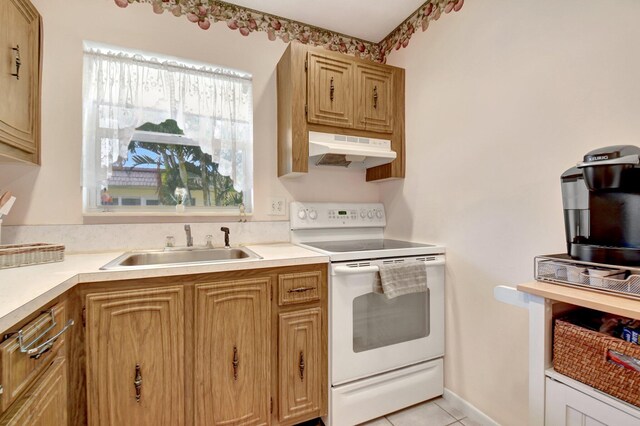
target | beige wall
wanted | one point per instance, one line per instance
(51, 194)
(501, 99)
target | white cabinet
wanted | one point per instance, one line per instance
(566, 406)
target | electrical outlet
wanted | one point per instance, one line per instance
(278, 206)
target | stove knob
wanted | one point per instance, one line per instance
(379, 214)
(363, 214)
(302, 214)
(370, 214)
(313, 215)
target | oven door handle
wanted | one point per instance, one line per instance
(346, 270)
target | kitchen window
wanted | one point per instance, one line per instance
(162, 134)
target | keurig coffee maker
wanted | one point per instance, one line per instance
(601, 199)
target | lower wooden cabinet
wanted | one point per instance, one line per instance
(18, 369)
(232, 352)
(217, 349)
(300, 364)
(45, 403)
(135, 357)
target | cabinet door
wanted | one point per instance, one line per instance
(232, 350)
(566, 406)
(375, 98)
(330, 90)
(300, 366)
(135, 357)
(20, 88)
(45, 404)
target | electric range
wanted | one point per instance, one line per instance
(384, 354)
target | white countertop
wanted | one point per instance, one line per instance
(24, 290)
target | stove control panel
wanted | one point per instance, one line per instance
(337, 215)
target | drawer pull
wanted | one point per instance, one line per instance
(44, 347)
(300, 289)
(137, 382)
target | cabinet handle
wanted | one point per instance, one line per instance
(331, 89)
(300, 289)
(375, 97)
(41, 349)
(137, 382)
(301, 365)
(235, 363)
(18, 63)
(45, 346)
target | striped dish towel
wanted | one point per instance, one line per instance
(397, 279)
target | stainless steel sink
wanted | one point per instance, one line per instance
(140, 259)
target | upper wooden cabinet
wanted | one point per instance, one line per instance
(375, 98)
(330, 90)
(135, 357)
(324, 91)
(20, 68)
(232, 352)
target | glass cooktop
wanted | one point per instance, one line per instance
(364, 245)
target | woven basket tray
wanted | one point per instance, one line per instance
(581, 354)
(15, 255)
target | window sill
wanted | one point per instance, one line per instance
(115, 217)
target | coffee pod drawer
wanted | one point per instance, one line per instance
(609, 278)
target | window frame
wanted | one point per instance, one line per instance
(91, 205)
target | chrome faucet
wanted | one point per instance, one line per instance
(187, 229)
(226, 236)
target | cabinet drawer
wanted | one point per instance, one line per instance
(45, 403)
(20, 368)
(299, 287)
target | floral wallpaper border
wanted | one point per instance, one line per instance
(246, 21)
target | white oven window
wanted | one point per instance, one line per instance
(379, 322)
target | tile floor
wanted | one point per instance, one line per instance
(436, 412)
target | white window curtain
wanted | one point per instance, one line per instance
(122, 91)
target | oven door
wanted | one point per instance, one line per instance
(371, 334)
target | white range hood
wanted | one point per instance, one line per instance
(328, 149)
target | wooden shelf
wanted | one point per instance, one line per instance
(590, 299)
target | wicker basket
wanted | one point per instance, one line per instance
(581, 354)
(15, 255)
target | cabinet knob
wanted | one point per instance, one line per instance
(331, 89)
(137, 383)
(235, 363)
(375, 97)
